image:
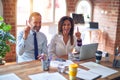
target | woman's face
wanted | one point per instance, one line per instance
(66, 27)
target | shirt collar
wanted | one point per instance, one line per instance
(31, 32)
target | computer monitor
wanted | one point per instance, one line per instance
(94, 25)
(78, 18)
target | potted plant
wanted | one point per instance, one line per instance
(6, 38)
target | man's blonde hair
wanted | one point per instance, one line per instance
(34, 14)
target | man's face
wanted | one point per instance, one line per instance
(35, 23)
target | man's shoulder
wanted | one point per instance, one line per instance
(42, 34)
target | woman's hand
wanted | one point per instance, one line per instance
(78, 34)
(64, 57)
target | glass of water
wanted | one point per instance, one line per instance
(70, 56)
(61, 67)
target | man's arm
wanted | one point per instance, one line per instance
(20, 44)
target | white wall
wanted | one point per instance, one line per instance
(1, 8)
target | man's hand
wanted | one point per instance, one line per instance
(42, 56)
(26, 30)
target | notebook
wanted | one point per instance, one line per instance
(88, 51)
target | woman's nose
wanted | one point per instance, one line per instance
(66, 27)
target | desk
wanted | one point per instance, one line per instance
(24, 69)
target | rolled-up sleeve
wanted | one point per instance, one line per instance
(20, 44)
(51, 48)
(78, 44)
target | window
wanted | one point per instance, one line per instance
(51, 10)
(1, 8)
(23, 11)
(84, 7)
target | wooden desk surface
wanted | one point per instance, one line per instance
(24, 69)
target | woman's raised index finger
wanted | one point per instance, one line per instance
(77, 29)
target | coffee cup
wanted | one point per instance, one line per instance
(72, 71)
(98, 56)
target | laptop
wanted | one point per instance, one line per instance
(88, 51)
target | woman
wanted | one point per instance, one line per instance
(64, 42)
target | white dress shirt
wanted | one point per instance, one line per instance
(58, 48)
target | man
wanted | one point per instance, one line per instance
(26, 49)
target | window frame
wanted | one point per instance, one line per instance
(90, 13)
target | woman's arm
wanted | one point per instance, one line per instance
(52, 48)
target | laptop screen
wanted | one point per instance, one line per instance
(78, 18)
(94, 25)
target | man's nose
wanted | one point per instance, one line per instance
(38, 24)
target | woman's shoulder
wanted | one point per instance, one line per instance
(57, 36)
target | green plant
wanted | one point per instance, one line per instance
(6, 38)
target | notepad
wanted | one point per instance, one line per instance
(86, 75)
(10, 76)
(99, 69)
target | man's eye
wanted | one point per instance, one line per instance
(35, 22)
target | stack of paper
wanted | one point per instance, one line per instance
(99, 69)
(47, 76)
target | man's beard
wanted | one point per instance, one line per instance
(35, 29)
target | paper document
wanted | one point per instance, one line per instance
(55, 63)
(10, 76)
(99, 69)
(86, 75)
(47, 76)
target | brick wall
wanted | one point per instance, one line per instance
(118, 29)
(71, 4)
(106, 12)
(9, 14)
